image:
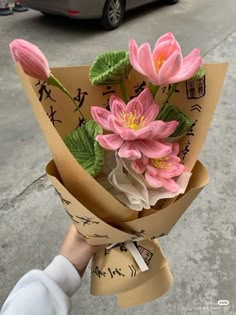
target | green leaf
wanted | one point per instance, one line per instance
(84, 147)
(170, 112)
(199, 74)
(111, 67)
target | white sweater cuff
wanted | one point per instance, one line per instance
(62, 271)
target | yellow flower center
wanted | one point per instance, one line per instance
(161, 163)
(133, 121)
(160, 62)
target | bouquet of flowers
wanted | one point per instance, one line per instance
(125, 135)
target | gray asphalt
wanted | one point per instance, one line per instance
(201, 247)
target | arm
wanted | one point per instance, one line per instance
(49, 291)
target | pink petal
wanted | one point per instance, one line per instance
(130, 134)
(145, 160)
(110, 142)
(115, 124)
(117, 106)
(151, 113)
(153, 181)
(169, 144)
(174, 159)
(133, 56)
(165, 37)
(187, 72)
(164, 50)
(170, 67)
(152, 170)
(191, 57)
(152, 149)
(162, 129)
(160, 49)
(170, 184)
(129, 151)
(175, 148)
(173, 171)
(135, 107)
(146, 132)
(101, 115)
(180, 170)
(138, 166)
(145, 61)
(145, 98)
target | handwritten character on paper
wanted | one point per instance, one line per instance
(98, 272)
(115, 272)
(196, 107)
(99, 236)
(87, 221)
(80, 98)
(185, 149)
(138, 234)
(166, 89)
(44, 91)
(109, 91)
(52, 117)
(191, 129)
(81, 122)
(138, 88)
(64, 201)
(133, 271)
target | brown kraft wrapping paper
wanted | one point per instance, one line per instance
(97, 215)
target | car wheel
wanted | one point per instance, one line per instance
(113, 14)
(171, 1)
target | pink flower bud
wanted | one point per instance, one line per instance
(31, 59)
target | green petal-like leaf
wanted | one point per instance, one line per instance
(111, 67)
(199, 74)
(84, 147)
(170, 112)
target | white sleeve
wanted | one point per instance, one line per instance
(44, 292)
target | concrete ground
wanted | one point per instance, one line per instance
(201, 248)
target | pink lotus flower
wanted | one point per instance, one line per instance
(135, 131)
(31, 59)
(160, 172)
(165, 64)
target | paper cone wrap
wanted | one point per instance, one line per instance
(98, 216)
(115, 271)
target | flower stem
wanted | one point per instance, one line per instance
(153, 89)
(123, 91)
(172, 89)
(55, 82)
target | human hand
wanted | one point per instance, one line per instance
(77, 250)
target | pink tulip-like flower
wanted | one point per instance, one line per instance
(133, 126)
(161, 171)
(165, 65)
(31, 59)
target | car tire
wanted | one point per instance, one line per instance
(113, 14)
(172, 1)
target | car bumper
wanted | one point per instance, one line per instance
(73, 8)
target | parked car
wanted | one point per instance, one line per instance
(111, 12)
